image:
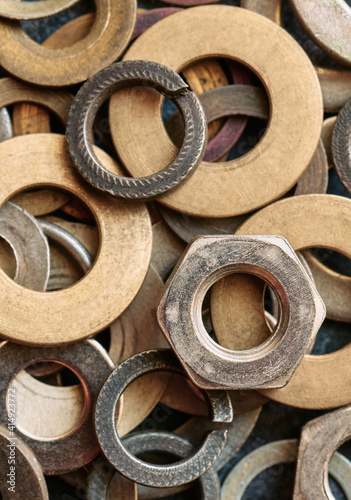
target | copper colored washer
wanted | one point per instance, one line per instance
(240, 185)
(29, 478)
(24, 11)
(335, 83)
(328, 23)
(109, 36)
(80, 311)
(319, 381)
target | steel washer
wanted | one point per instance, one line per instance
(182, 472)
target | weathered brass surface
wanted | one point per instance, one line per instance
(67, 315)
(334, 37)
(255, 179)
(319, 381)
(34, 10)
(109, 36)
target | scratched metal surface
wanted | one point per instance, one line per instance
(276, 421)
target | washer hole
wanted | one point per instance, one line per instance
(70, 214)
(44, 411)
(337, 491)
(219, 72)
(7, 258)
(40, 29)
(274, 482)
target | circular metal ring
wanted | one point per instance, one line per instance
(29, 244)
(99, 481)
(68, 314)
(91, 363)
(315, 18)
(109, 36)
(6, 130)
(141, 472)
(319, 381)
(276, 453)
(29, 481)
(212, 366)
(335, 83)
(233, 187)
(165, 442)
(319, 440)
(249, 101)
(83, 113)
(23, 11)
(69, 242)
(227, 101)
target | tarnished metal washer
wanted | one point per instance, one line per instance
(248, 101)
(319, 381)
(319, 440)
(13, 9)
(29, 244)
(276, 453)
(109, 36)
(181, 472)
(328, 23)
(100, 481)
(69, 242)
(91, 363)
(234, 187)
(105, 483)
(29, 478)
(210, 365)
(335, 83)
(238, 432)
(6, 130)
(341, 146)
(99, 88)
(68, 315)
(59, 102)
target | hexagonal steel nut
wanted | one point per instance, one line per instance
(179, 312)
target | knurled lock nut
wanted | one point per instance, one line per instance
(179, 312)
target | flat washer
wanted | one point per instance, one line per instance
(257, 178)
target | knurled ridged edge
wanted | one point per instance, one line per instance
(116, 383)
(192, 147)
(341, 146)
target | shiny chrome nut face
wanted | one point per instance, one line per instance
(210, 258)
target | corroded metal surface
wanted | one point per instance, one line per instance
(103, 85)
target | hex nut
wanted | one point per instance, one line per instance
(210, 258)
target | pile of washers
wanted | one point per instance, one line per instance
(162, 223)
